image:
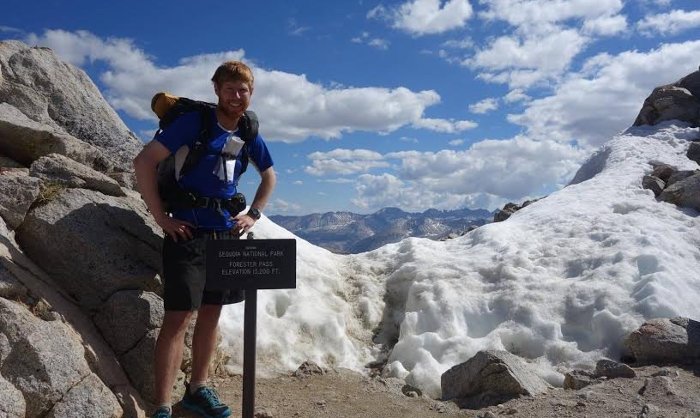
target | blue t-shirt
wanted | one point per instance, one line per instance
(216, 175)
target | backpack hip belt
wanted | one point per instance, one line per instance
(189, 200)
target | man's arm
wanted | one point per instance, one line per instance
(146, 169)
(268, 179)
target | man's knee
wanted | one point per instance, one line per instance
(209, 313)
(175, 322)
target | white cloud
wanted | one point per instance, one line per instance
(282, 206)
(605, 25)
(456, 142)
(516, 95)
(367, 39)
(289, 114)
(379, 43)
(544, 38)
(344, 162)
(465, 43)
(607, 94)
(488, 174)
(309, 109)
(445, 125)
(10, 29)
(347, 154)
(670, 23)
(484, 106)
(422, 17)
(660, 3)
(340, 180)
(534, 15)
(295, 29)
(524, 62)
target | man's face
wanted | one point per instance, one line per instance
(234, 97)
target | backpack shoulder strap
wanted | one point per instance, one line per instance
(248, 125)
(201, 142)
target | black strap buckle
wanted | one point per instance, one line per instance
(200, 201)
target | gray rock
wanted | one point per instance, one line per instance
(9, 163)
(127, 180)
(684, 193)
(114, 244)
(654, 184)
(669, 102)
(691, 82)
(127, 316)
(88, 399)
(663, 171)
(694, 152)
(25, 140)
(613, 369)
(665, 341)
(138, 364)
(505, 213)
(17, 193)
(5, 348)
(666, 372)
(308, 368)
(411, 391)
(46, 358)
(10, 287)
(510, 208)
(492, 371)
(53, 92)
(12, 403)
(679, 175)
(49, 302)
(658, 386)
(62, 170)
(578, 379)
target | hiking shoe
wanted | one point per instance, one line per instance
(205, 401)
(162, 413)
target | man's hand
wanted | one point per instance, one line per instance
(243, 223)
(175, 228)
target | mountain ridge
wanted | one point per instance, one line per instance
(348, 232)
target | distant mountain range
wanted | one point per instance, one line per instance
(350, 233)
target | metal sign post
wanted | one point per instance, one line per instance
(250, 265)
(249, 328)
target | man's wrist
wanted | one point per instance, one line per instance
(254, 213)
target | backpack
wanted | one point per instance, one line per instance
(168, 108)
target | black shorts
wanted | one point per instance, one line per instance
(184, 277)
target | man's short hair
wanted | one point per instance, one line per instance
(233, 71)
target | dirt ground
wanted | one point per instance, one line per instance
(655, 392)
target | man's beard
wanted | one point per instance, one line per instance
(230, 112)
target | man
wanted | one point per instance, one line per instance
(187, 229)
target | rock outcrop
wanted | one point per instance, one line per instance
(665, 341)
(509, 209)
(62, 97)
(680, 187)
(73, 237)
(675, 101)
(490, 377)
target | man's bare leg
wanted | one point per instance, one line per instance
(168, 353)
(204, 341)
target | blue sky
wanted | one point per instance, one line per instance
(366, 104)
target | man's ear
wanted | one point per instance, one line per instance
(216, 89)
